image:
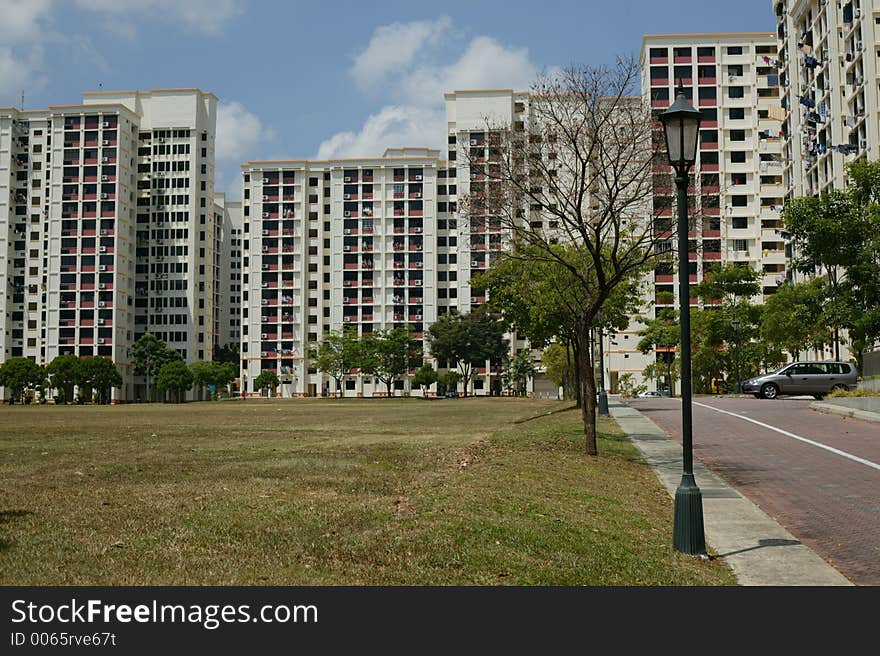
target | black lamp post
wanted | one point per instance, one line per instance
(681, 127)
(603, 396)
(736, 384)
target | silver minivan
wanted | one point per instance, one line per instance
(803, 378)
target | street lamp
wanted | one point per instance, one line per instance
(736, 384)
(603, 396)
(681, 128)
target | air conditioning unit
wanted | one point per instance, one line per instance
(100, 341)
(418, 317)
(473, 142)
(263, 354)
(857, 13)
(265, 232)
(101, 304)
(265, 215)
(265, 267)
(858, 45)
(863, 144)
(346, 196)
(474, 299)
(103, 233)
(417, 283)
(264, 336)
(105, 178)
(105, 124)
(417, 194)
(265, 249)
(265, 180)
(100, 322)
(418, 177)
(346, 283)
(346, 248)
(160, 258)
(265, 197)
(347, 231)
(417, 229)
(102, 286)
(264, 301)
(104, 196)
(347, 178)
(346, 213)
(160, 140)
(264, 285)
(102, 267)
(105, 142)
(474, 263)
(102, 249)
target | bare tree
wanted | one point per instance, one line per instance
(577, 170)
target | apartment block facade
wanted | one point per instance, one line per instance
(828, 54)
(229, 241)
(93, 199)
(737, 187)
(330, 245)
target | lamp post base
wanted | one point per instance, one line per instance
(603, 404)
(687, 532)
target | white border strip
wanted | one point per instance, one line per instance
(792, 435)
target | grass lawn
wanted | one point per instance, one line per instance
(329, 492)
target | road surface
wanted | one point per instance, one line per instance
(818, 475)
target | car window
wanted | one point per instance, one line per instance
(816, 368)
(796, 370)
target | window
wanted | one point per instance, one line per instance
(659, 52)
(734, 50)
(737, 135)
(736, 92)
(740, 245)
(740, 223)
(739, 201)
(738, 157)
(736, 113)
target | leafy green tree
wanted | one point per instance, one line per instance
(212, 374)
(793, 318)
(225, 374)
(467, 340)
(627, 386)
(425, 377)
(268, 380)
(389, 354)
(18, 375)
(559, 367)
(175, 378)
(662, 332)
(729, 283)
(519, 370)
(449, 380)
(336, 355)
(101, 375)
(64, 373)
(148, 355)
(228, 353)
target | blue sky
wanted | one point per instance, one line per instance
(307, 79)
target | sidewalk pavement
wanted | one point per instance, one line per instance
(843, 411)
(757, 549)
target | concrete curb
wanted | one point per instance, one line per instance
(757, 549)
(843, 411)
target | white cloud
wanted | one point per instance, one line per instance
(239, 133)
(399, 60)
(393, 126)
(393, 48)
(484, 64)
(208, 16)
(21, 51)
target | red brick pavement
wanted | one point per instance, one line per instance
(830, 503)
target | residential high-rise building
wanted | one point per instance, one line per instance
(827, 58)
(107, 227)
(736, 189)
(228, 265)
(331, 245)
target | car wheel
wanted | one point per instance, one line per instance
(769, 391)
(840, 387)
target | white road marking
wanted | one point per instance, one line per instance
(792, 435)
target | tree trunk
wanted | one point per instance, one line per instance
(388, 386)
(578, 391)
(587, 387)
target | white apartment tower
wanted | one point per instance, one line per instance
(106, 226)
(330, 245)
(827, 57)
(228, 241)
(737, 183)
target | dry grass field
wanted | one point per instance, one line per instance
(323, 491)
